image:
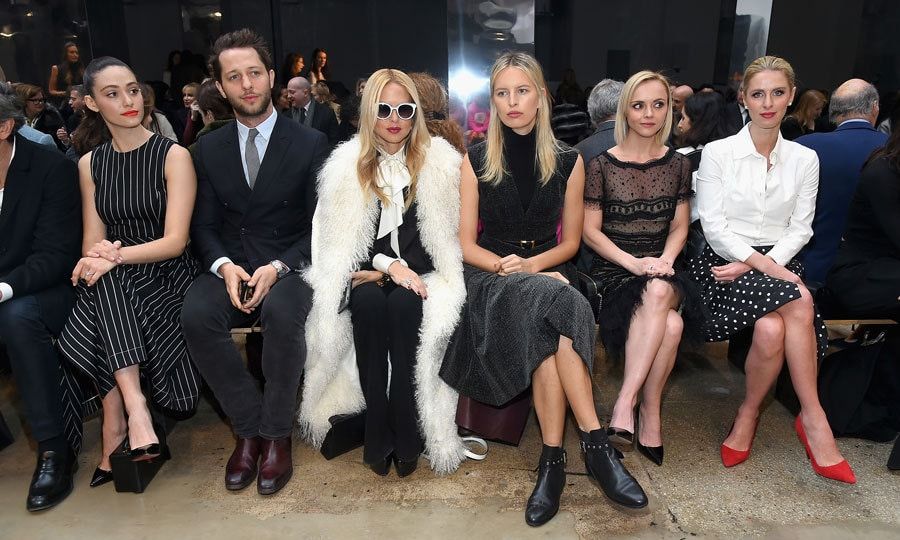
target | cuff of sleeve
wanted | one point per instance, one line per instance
(779, 255)
(6, 291)
(742, 252)
(382, 262)
(217, 264)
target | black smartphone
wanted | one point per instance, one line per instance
(245, 292)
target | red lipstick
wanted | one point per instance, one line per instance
(132, 113)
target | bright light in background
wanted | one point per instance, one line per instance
(463, 83)
(216, 15)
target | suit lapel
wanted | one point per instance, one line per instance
(16, 179)
(308, 122)
(231, 156)
(276, 150)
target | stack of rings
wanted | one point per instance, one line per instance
(407, 282)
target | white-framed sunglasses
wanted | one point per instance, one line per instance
(405, 111)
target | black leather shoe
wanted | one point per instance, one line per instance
(405, 468)
(381, 467)
(101, 477)
(52, 480)
(604, 465)
(653, 453)
(544, 501)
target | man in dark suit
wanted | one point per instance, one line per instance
(602, 105)
(309, 112)
(251, 228)
(40, 241)
(736, 115)
(842, 152)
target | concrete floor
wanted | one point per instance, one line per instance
(774, 494)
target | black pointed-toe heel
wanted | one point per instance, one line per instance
(623, 439)
(381, 467)
(653, 453)
(405, 468)
(148, 452)
(101, 477)
(543, 503)
(604, 465)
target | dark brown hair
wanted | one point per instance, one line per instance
(209, 99)
(92, 131)
(239, 39)
(433, 99)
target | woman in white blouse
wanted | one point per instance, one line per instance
(756, 195)
(387, 281)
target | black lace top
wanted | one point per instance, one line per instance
(638, 200)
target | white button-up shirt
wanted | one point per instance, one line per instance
(743, 204)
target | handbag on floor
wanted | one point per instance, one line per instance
(347, 433)
(501, 424)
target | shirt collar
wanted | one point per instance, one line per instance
(855, 120)
(744, 145)
(12, 154)
(264, 128)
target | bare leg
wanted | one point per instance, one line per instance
(651, 403)
(645, 336)
(576, 381)
(549, 402)
(764, 361)
(140, 425)
(802, 360)
(114, 426)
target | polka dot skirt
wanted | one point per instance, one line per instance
(739, 304)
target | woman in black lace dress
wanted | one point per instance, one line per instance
(636, 220)
(523, 324)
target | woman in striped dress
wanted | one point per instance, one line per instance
(138, 193)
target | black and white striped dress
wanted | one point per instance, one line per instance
(132, 314)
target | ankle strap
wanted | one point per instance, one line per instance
(585, 445)
(557, 461)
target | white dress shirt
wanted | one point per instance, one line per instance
(262, 142)
(742, 204)
(5, 289)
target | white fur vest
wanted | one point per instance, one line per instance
(343, 231)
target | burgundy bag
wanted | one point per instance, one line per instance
(503, 424)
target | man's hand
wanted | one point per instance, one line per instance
(233, 275)
(262, 280)
(63, 136)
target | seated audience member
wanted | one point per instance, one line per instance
(293, 67)
(569, 122)
(307, 111)
(865, 276)
(756, 195)
(406, 284)
(39, 114)
(637, 210)
(41, 230)
(320, 69)
(436, 110)
(66, 74)
(281, 98)
(137, 194)
(602, 105)
(803, 118)
(153, 120)
(187, 118)
(215, 111)
(349, 119)
(569, 91)
(251, 230)
(854, 108)
(76, 103)
(701, 123)
(524, 326)
(736, 114)
(680, 93)
(323, 96)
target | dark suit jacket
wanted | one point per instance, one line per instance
(841, 156)
(40, 222)
(320, 117)
(271, 221)
(602, 140)
(734, 120)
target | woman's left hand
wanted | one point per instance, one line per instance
(731, 271)
(90, 269)
(364, 276)
(512, 264)
(107, 250)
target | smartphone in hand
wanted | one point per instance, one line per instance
(245, 292)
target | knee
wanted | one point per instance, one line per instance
(367, 300)
(674, 325)
(17, 317)
(403, 304)
(768, 333)
(199, 318)
(658, 294)
(801, 308)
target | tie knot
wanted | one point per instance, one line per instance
(253, 133)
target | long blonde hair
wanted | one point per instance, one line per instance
(417, 142)
(546, 145)
(639, 78)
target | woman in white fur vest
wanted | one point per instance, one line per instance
(386, 228)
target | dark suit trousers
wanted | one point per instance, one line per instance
(35, 361)
(386, 320)
(207, 318)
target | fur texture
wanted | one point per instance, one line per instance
(344, 228)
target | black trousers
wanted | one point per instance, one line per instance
(28, 335)
(207, 318)
(386, 322)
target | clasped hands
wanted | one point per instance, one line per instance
(100, 259)
(513, 264)
(727, 273)
(652, 267)
(399, 273)
(261, 281)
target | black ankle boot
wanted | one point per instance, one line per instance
(604, 465)
(551, 479)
